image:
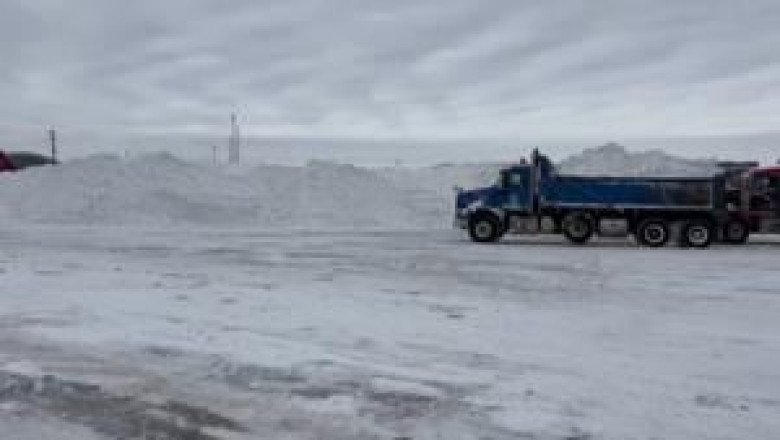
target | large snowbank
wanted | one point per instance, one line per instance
(614, 160)
(159, 189)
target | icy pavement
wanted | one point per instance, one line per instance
(242, 334)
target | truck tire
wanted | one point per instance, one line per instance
(653, 233)
(578, 227)
(736, 231)
(485, 228)
(697, 234)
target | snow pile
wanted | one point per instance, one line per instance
(160, 189)
(328, 194)
(433, 188)
(105, 189)
(443, 178)
(614, 160)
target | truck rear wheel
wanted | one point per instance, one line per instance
(484, 228)
(578, 227)
(736, 231)
(653, 233)
(697, 234)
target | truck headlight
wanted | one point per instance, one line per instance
(474, 205)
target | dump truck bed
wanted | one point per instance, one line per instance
(633, 192)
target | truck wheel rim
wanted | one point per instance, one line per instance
(654, 234)
(483, 229)
(579, 229)
(698, 235)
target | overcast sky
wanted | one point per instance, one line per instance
(685, 75)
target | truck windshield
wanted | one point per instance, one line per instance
(761, 183)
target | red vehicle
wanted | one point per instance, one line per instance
(18, 160)
(754, 200)
(5, 162)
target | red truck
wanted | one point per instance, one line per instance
(753, 197)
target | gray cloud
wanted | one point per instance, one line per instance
(113, 74)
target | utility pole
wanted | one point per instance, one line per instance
(234, 145)
(53, 143)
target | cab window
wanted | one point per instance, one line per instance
(515, 178)
(766, 183)
(761, 183)
(518, 178)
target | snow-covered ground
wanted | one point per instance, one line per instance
(318, 334)
(151, 298)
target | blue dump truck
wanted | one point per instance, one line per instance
(532, 198)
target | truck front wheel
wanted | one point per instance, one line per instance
(578, 227)
(484, 228)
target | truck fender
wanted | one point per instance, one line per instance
(499, 213)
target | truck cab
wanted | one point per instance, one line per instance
(760, 199)
(511, 195)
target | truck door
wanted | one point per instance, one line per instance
(517, 182)
(774, 193)
(764, 193)
(765, 201)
